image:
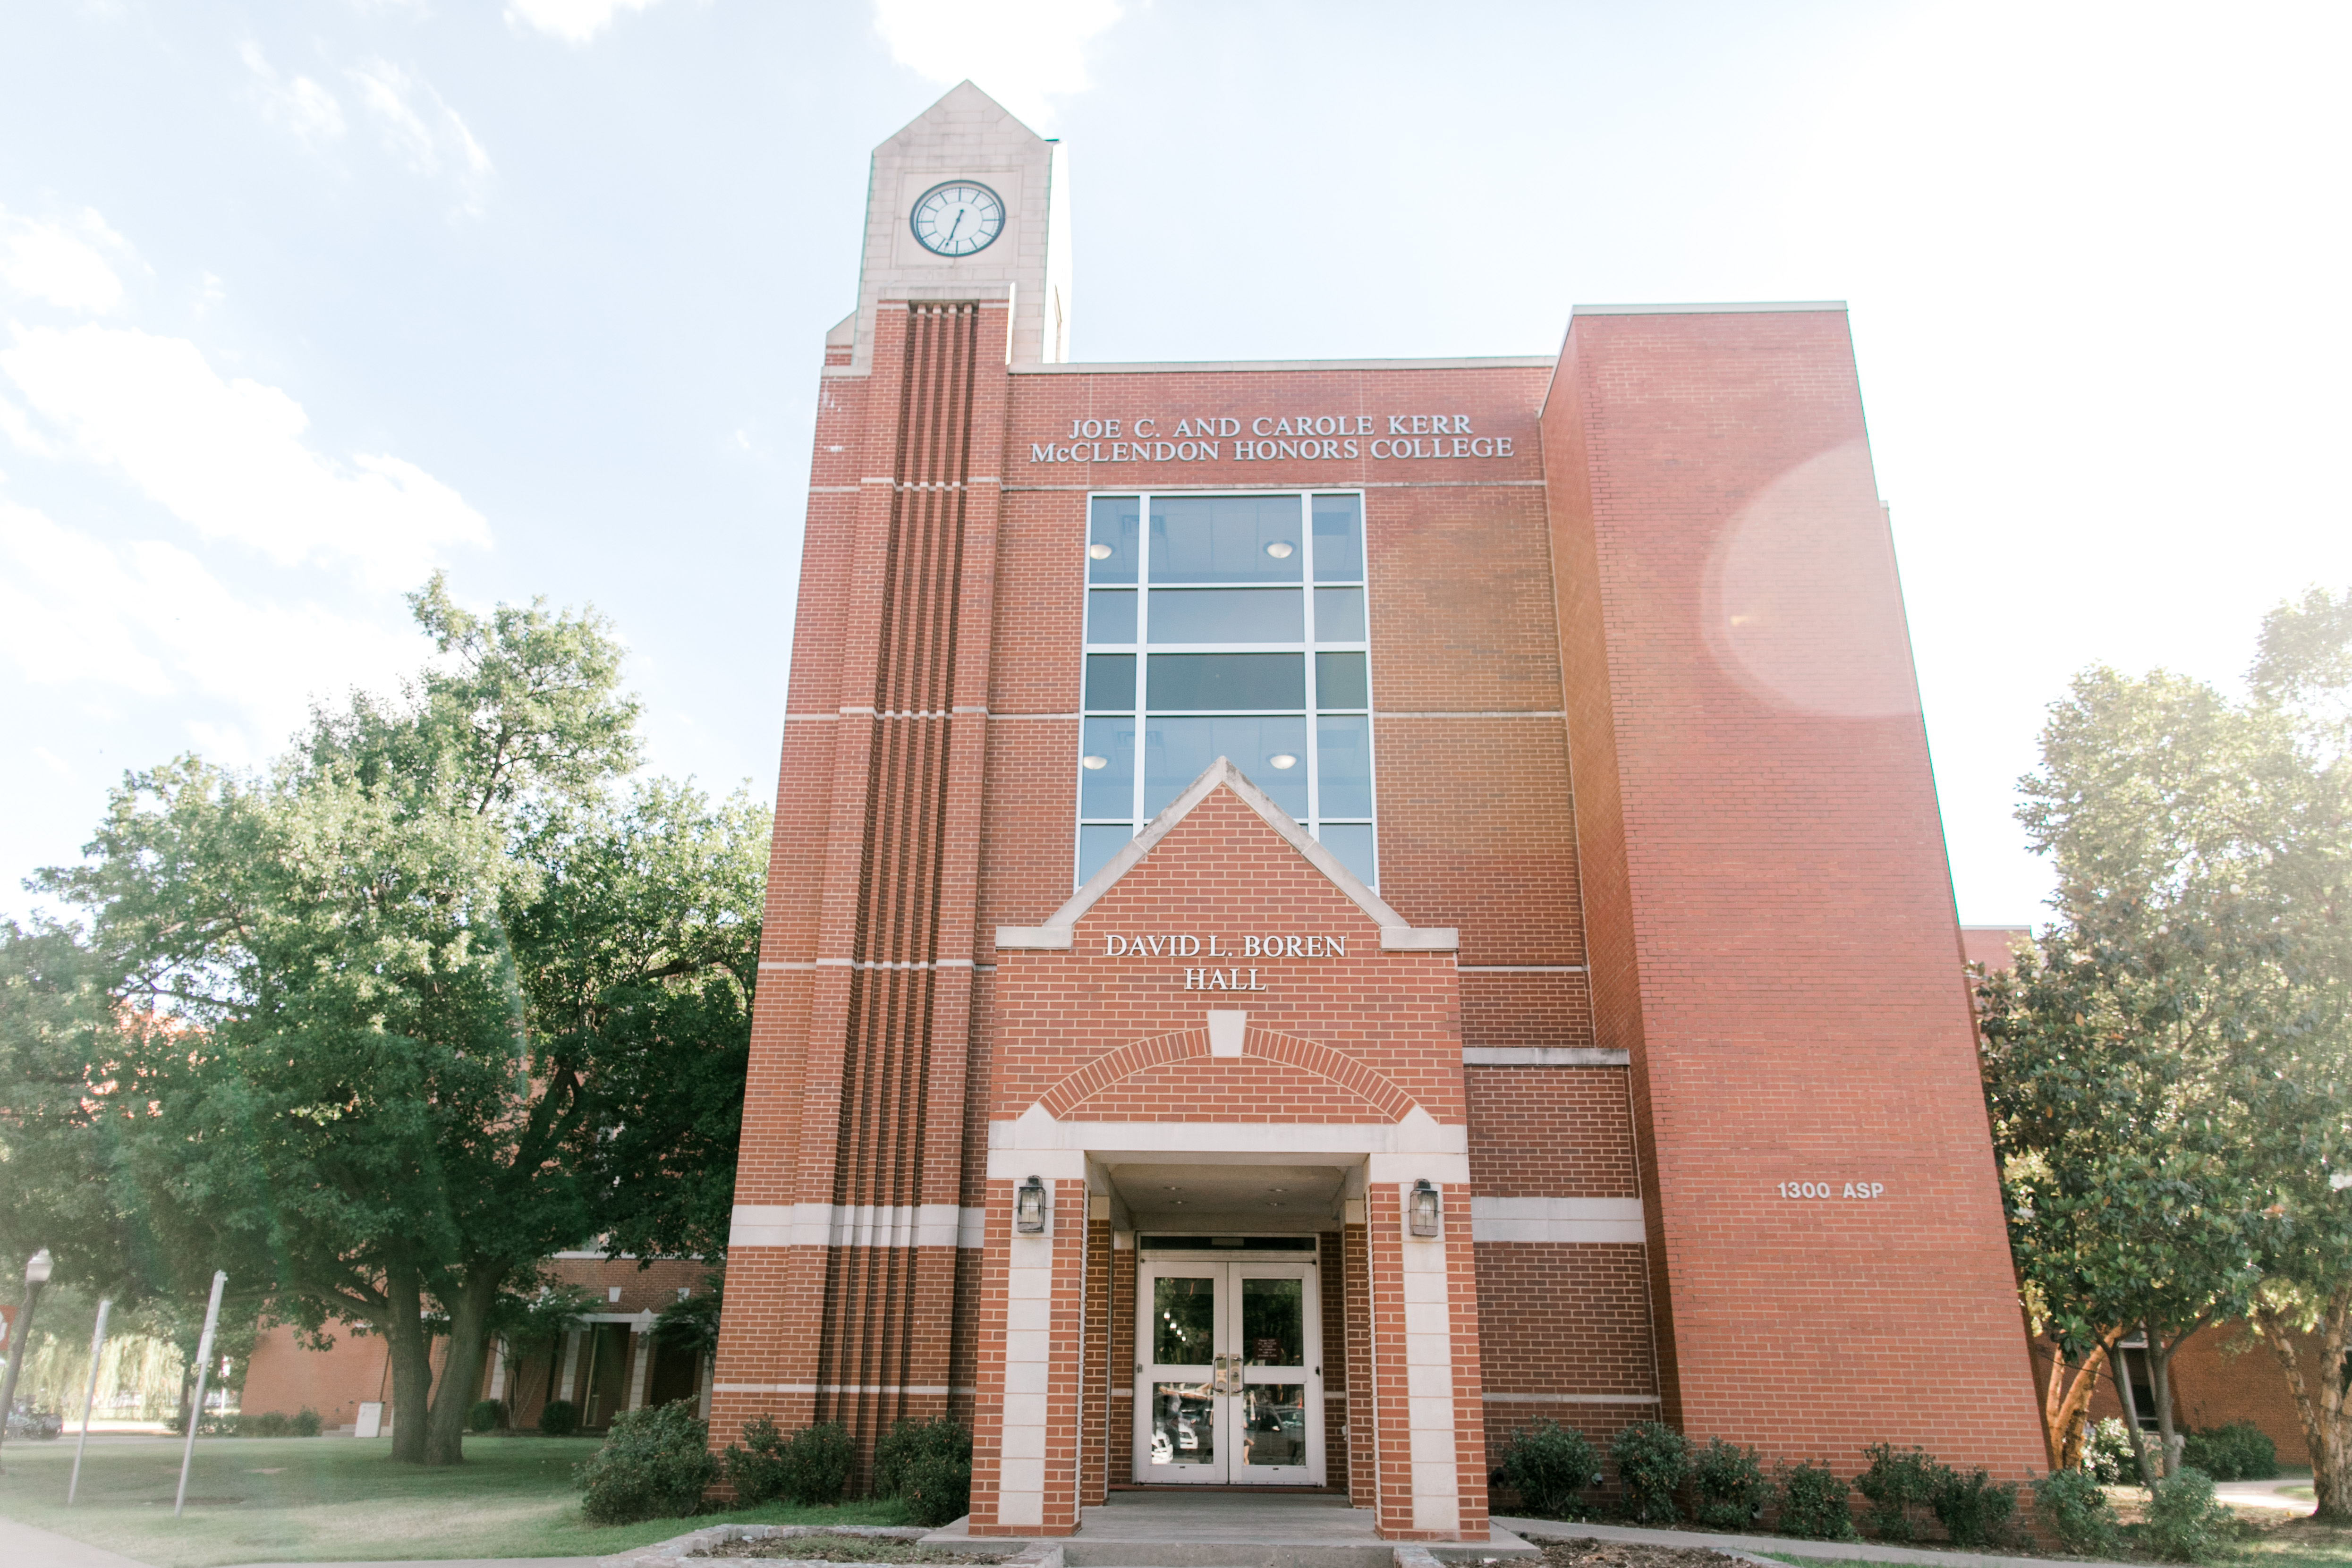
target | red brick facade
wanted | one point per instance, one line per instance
(1661, 921)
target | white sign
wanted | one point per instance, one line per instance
(371, 1421)
(1261, 438)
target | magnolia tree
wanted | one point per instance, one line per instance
(440, 994)
(2169, 1076)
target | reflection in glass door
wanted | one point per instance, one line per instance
(1228, 1380)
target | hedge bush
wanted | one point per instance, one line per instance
(2077, 1513)
(1653, 1461)
(2186, 1523)
(1899, 1483)
(1813, 1502)
(2237, 1452)
(484, 1416)
(809, 1467)
(1548, 1465)
(909, 1442)
(655, 1464)
(306, 1423)
(1973, 1508)
(936, 1489)
(1727, 1486)
(559, 1419)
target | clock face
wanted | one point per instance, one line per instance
(958, 218)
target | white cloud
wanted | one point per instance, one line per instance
(573, 21)
(1022, 53)
(420, 129)
(297, 103)
(228, 457)
(51, 262)
(149, 619)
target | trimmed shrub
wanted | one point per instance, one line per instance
(1654, 1462)
(655, 1464)
(2237, 1452)
(304, 1425)
(809, 1467)
(909, 1441)
(1973, 1509)
(484, 1416)
(2107, 1454)
(263, 1424)
(936, 1489)
(2186, 1523)
(1727, 1486)
(559, 1419)
(1813, 1503)
(1548, 1465)
(1899, 1484)
(2070, 1503)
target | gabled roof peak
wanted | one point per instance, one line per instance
(1396, 936)
(961, 105)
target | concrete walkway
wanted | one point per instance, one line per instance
(28, 1546)
(2265, 1494)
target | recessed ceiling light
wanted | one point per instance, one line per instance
(1277, 1189)
(1094, 764)
(1100, 552)
(1171, 1189)
(1280, 549)
(1283, 759)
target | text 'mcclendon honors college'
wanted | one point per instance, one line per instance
(1325, 911)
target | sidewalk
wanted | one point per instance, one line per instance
(1790, 1546)
(28, 1546)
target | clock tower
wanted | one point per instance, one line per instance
(972, 169)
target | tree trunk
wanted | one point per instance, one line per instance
(470, 1317)
(2159, 1378)
(2065, 1400)
(411, 1350)
(2319, 1400)
(2131, 1418)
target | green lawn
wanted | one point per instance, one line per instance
(280, 1500)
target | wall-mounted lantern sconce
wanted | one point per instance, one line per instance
(1422, 1214)
(1029, 1207)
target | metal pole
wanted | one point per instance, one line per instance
(37, 1274)
(196, 1411)
(89, 1397)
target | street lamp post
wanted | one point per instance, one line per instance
(37, 1274)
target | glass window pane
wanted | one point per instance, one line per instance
(1183, 1320)
(1107, 768)
(1183, 1424)
(1110, 615)
(1270, 751)
(1098, 843)
(1273, 1323)
(1343, 763)
(1225, 615)
(1351, 843)
(1225, 539)
(1208, 682)
(1112, 534)
(1341, 681)
(1110, 681)
(1339, 614)
(1274, 1424)
(1338, 539)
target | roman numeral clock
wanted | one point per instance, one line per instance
(958, 218)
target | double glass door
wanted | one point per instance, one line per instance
(1228, 1377)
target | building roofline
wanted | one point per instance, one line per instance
(1754, 309)
(1488, 362)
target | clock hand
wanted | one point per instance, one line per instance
(949, 236)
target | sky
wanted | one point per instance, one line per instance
(301, 302)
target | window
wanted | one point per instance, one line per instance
(1226, 626)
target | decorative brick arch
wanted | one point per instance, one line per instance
(1311, 1056)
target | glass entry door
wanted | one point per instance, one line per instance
(1229, 1383)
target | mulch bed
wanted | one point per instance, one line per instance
(845, 1548)
(1589, 1553)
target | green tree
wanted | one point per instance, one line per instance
(2171, 1080)
(412, 975)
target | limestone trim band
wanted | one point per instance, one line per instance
(934, 1388)
(1493, 1398)
(865, 964)
(848, 1225)
(1557, 1219)
(1543, 1056)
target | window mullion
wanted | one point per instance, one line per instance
(1142, 652)
(1306, 598)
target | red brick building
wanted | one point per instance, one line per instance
(1324, 911)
